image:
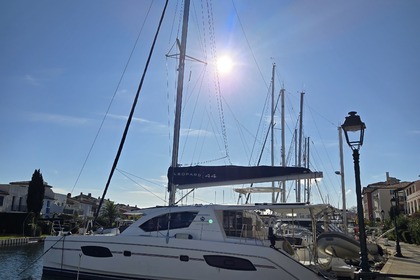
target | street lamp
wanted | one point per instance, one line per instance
(354, 130)
(396, 205)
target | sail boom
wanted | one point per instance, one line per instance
(212, 176)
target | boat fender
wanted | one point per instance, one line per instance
(380, 250)
(287, 247)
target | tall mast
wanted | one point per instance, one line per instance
(343, 188)
(283, 141)
(180, 86)
(296, 161)
(307, 182)
(272, 129)
(298, 199)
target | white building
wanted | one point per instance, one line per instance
(13, 198)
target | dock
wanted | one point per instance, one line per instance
(19, 241)
(399, 268)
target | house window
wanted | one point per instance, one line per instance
(1, 200)
(13, 203)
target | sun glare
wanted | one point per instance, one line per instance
(224, 64)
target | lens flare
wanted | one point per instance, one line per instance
(224, 64)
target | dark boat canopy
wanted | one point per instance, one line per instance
(209, 176)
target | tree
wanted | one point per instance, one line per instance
(110, 213)
(36, 192)
(414, 227)
(35, 198)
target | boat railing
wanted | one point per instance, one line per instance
(56, 227)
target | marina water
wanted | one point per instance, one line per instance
(22, 262)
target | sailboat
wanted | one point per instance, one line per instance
(187, 242)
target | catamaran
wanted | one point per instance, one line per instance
(188, 242)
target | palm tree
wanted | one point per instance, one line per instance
(110, 213)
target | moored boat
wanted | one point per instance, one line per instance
(343, 246)
(186, 242)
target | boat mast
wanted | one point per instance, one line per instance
(283, 141)
(343, 188)
(272, 129)
(180, 86)
(307, 182)
(298, 198)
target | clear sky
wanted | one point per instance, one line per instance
(61, 63)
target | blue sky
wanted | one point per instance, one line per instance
(61, 63)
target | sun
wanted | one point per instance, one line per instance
(224, 64)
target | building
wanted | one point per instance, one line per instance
(377, 198)
(412, 193)
(88, 204)
(13, 197)
(13, 207)
(57, 206)
(13, 200)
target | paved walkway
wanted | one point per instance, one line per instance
(407, 267)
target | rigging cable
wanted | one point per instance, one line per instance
(219, 102)
(112, 100)
(125, 173)
(249, 45)
(114, 166)
(265, 107)
(262, 151)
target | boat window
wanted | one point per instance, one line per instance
(96, 251)
(173, 220)
(242, 224)
(228, 262)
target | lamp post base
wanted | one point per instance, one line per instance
(399, 255)
(367, 275)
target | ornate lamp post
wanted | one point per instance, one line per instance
(396, 206)
(354, 130)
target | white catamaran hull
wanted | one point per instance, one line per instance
(119, 257)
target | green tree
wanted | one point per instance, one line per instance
(36, 192)
(35, 198)
(110, 213)
(414, 227)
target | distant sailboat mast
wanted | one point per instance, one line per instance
(307, 192)
(298, 187)
(283, 141)
(341, 173)
(180, 86)
(273, 200)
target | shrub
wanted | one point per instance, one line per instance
(414, 228)
(406, 237)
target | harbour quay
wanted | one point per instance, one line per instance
(399, 268)
(19, 241)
